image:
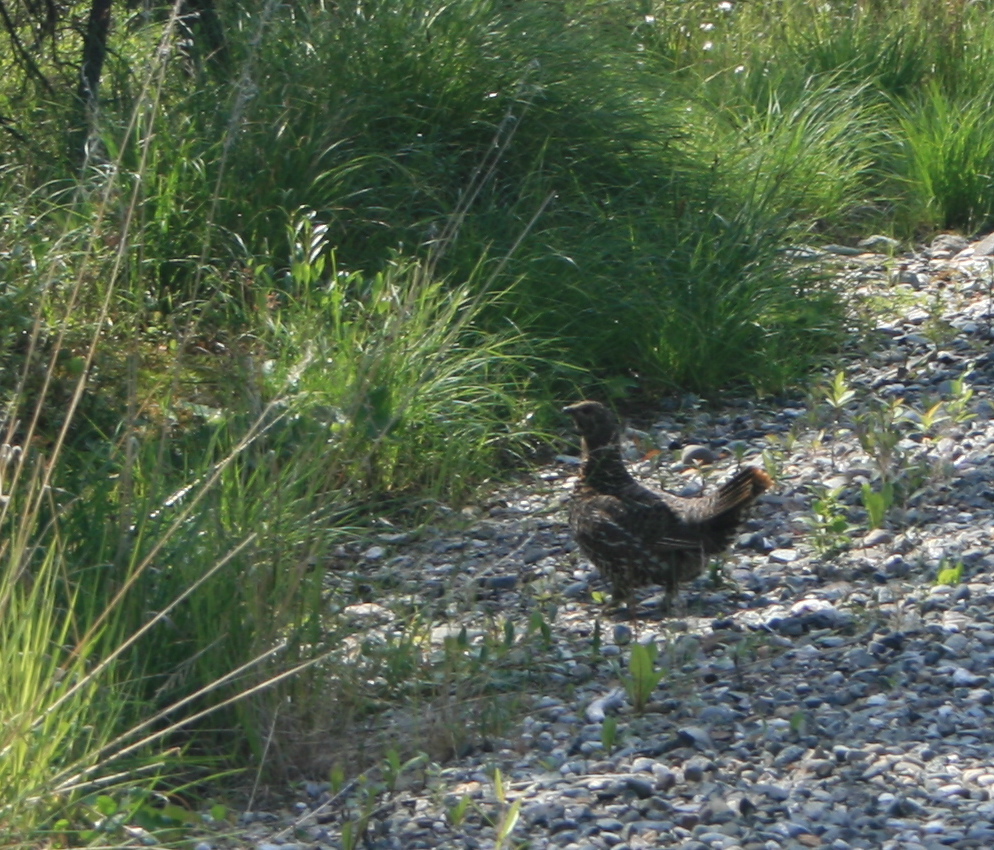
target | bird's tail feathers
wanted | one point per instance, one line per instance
(741, 489)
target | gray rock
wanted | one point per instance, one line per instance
(963, 678)
(697, 454)
(878, 537)
(879, 243)
(984, 247)
(695, 736)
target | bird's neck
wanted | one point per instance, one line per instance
(603, 468)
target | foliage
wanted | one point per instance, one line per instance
(945, 159)
(877, 502)
(642, 677)
(949, 575)
(829, 524)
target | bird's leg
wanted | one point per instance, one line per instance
(622, 592)
(633, 612)
(672, 586)
(630, 599)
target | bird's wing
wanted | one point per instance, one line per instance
(645, 521)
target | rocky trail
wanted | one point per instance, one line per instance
(829, 685)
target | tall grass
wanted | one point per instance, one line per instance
(945, 160)
(160, 568)
(165, 577)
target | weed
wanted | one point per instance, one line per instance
(609, 733)
(949, 573)
(642, 678)
(879, 430)
(716, 575)
(393, 769)
(838, 394)
(456, 814)
(355, 827)
(929, 421)
(829, 524)
(960, 395)
(596, 639)
(369, 794)
(878, 503)
(798, 723)
(508, 815)
(773, 456)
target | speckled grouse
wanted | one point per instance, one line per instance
(636, 536)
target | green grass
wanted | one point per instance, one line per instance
(945, 160)
(355, 290)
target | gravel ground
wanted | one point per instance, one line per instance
(822, 689)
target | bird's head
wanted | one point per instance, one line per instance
(595, 423)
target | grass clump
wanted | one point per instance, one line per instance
(945, 160)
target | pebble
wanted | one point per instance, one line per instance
(878, 537)
(697, 454)
(821, 690)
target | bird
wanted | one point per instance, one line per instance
(636, 536)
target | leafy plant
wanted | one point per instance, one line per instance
(829, 524)
(958, 404)
(878, 502)
(879, 430)
(456, 814)
(773, 458)
(642, 677)
(929, 420)
(949, 574)
(838, 394)
(393, 768)
(509, 813)
(609, 733)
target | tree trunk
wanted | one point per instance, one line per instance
(94, 53)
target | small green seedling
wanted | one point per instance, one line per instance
(950, 575)
(932, 418)
(609, 733)
(838, 393)
(958, 404)
(877, 503)
(829, 526)
(537, 624)
(509, 813)
(336, 779)
(457, 814)
(393, 769)
(643, 677)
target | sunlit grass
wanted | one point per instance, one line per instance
(945, 160)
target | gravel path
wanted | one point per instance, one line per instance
(823, 689)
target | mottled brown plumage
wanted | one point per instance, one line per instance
(636, 536)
